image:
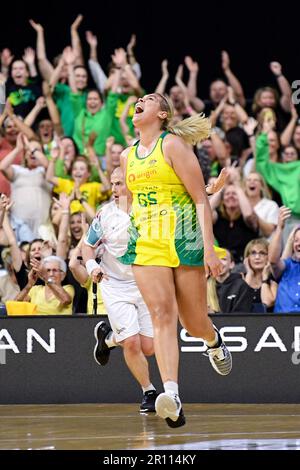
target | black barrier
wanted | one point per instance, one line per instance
(50, 360)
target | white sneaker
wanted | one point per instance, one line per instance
(168, 406)
(220, 357)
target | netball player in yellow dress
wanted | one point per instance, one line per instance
(171, 240)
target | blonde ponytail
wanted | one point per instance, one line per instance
(212, 296)
(193, 129)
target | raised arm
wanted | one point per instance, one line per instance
(45, 67)
(62, 247)
(161, 87)
(31, 117)
(193, 69)
(75, 40)
(50, 173)
(12, 241)
(52, 109)
(29, 59)
(232, 79)
(216, 112)
(70, 58)
(179, 81)
(8, 160)
(109, 166)
(94, 160)
(287, 134)
(132, 60)
(54, 78)
(284, 86)
(21, 125)
(277, 263)
(120, 59)
(220, 148)
(96, 70)
(123, 118)
(233, 100)
(250, 127)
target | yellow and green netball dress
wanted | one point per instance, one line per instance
(164, 228)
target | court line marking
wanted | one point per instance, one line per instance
(140, 414)
(72, 438)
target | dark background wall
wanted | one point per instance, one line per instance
(265, 364)
(254, 33)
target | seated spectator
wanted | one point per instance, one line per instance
(52, 298)
(286, 268)
(258, 275)
(232, 293)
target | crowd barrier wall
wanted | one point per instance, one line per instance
(50, 360)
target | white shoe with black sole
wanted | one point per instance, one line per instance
(101, 350)
(220, 357)
(168, 406)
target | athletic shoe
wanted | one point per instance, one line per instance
(101, 350)
(148, 402)
(219, 356)
(168, 406)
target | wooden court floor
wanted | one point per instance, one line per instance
(120, 426)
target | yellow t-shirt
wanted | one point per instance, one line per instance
(91, 192)
(51, 306)
(88, 285)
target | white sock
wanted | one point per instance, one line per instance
(110, 340)
(214, 342)
(148, 389)
(171, 387)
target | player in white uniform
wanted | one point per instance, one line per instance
(130, 320)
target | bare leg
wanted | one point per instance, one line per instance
(156, 284)
(147, 345)
(191, 296)
(135, 360)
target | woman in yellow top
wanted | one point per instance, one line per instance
(171, 239)
(52, 298)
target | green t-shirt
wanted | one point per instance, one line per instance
(283, 177)
(62, 97)
(100, 123)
